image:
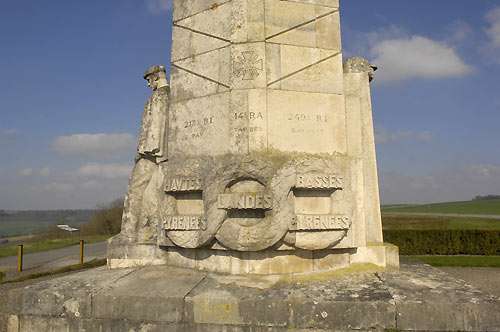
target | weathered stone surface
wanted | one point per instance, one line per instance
(270, 146)
(419, 298)
(420, 292)
(146, 295)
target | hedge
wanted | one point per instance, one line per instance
(445, 242)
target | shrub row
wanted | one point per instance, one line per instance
(445, 242)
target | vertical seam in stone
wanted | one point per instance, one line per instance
(248, 120)
(266, 90)
(184, 309)
(396, 311)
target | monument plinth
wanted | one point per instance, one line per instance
(268, 157)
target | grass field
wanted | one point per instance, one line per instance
(30, 222)
(405, 222)
(460, 261)
(489, 207)
(48, 244)
(71, 268)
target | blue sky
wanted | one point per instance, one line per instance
(72, 94)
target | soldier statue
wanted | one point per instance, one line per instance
(151, 153)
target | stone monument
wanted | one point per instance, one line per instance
(260, 160)
(267, 164)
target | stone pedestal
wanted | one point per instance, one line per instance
(167, 299)
(270, 144)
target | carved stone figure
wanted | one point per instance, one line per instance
(151, 152)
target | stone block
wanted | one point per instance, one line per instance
(330, 260)
(37, 323)
(64, 297)
(308, 122)
(142, 296)
(9, 323)
(429, 299)
(167, 299)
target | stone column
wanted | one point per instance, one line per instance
(256, 76)
(361, 139)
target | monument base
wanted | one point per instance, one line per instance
(159, 298)
(269, 262)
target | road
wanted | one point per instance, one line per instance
(56, 258)
(455, 215)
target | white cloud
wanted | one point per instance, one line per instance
(416, 57)
(45, 172)
(8, 132)
(7, 135)
(485, 171)
(459, 31)
(26, 172)
(493, 31)
(106, 171)
(95, 145)
(91, 185)
(59, 187)
(383, 136)
(159, 6)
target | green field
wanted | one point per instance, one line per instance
(486, 207)
(407, 222)
(37, 245)
(29, 222)
(460, 261)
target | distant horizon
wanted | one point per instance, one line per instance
(73, 94)
(104, 205)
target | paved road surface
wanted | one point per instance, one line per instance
(69, 254)
(482, 216)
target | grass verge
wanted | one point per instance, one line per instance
(405, 222)
(38, 245)
(70, 268)
(491, 206)
(460, 261)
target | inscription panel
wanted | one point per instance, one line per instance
(185, 223)
(183, 184)
(319, 181)
(245, 201)
(306, 122)
(200, 125)
(319, 222)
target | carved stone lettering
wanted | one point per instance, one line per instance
(183, 184)
(245, 201)
(305, 222)
(319, 181)
(185, 223)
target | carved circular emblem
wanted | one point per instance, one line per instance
(253, 201)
